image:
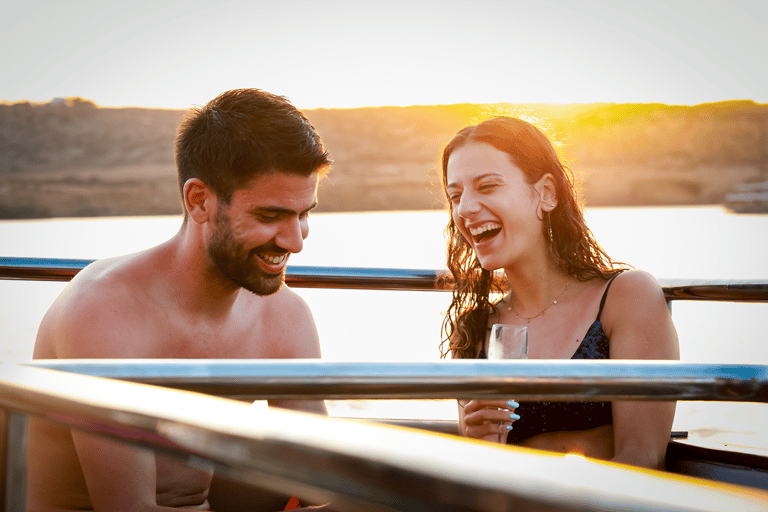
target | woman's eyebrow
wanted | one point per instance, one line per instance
(475, 179)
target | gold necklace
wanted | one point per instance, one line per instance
(529, 318)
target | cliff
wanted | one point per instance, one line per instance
(72, 158)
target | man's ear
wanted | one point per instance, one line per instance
(199, 200)
(547, 191)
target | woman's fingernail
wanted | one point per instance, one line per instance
(509, 427)
(514, 416)
(513, 404)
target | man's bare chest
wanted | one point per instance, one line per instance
(160, 335)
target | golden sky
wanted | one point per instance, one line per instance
(339, 54)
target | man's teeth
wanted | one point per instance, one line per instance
(273, 259)
(485, 227)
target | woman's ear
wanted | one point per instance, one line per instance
(198, 200)
(547, 192)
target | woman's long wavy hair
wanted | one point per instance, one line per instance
(573, 247)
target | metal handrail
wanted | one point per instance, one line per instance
(440, 475)
(57, 269)
(523, 379)
(53, 269)
(354, 464)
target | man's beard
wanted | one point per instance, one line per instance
(236, 263)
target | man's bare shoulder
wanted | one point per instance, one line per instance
(284, 298)
(286, 305)
(287, 319)
(98, 301)
(104, 283)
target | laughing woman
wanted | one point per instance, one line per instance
(513, 208)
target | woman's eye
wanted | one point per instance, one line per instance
(487, 186)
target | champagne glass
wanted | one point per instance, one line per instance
(507, 342)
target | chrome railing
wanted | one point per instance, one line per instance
(355, 465)
(415, 470)
(525, 379)
(49, 269)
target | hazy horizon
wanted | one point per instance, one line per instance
(531, 105)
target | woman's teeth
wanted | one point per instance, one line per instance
(478, 231)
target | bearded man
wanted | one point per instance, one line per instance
(248, 165)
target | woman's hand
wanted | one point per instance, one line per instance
(485, 419)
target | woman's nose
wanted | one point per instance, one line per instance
(468, 205)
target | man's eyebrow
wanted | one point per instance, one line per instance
(281, 210)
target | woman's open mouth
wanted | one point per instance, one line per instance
(484, 232)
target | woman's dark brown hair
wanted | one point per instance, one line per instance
(573, 247)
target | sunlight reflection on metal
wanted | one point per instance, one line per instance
(529, 379)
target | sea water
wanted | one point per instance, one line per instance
(355, 325)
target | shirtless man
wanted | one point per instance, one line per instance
(248, 165)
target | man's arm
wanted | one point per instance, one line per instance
(119, 477)
(299, 340)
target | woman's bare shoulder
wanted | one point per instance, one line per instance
(636, 285)
(637, 319)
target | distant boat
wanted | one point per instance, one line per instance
(748, 198)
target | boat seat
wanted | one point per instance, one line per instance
(732, 467)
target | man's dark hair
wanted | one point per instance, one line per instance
(242, 134)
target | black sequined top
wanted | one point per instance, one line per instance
(540, 417)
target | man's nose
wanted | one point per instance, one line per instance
(292, 234)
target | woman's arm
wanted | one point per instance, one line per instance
(639, 326)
